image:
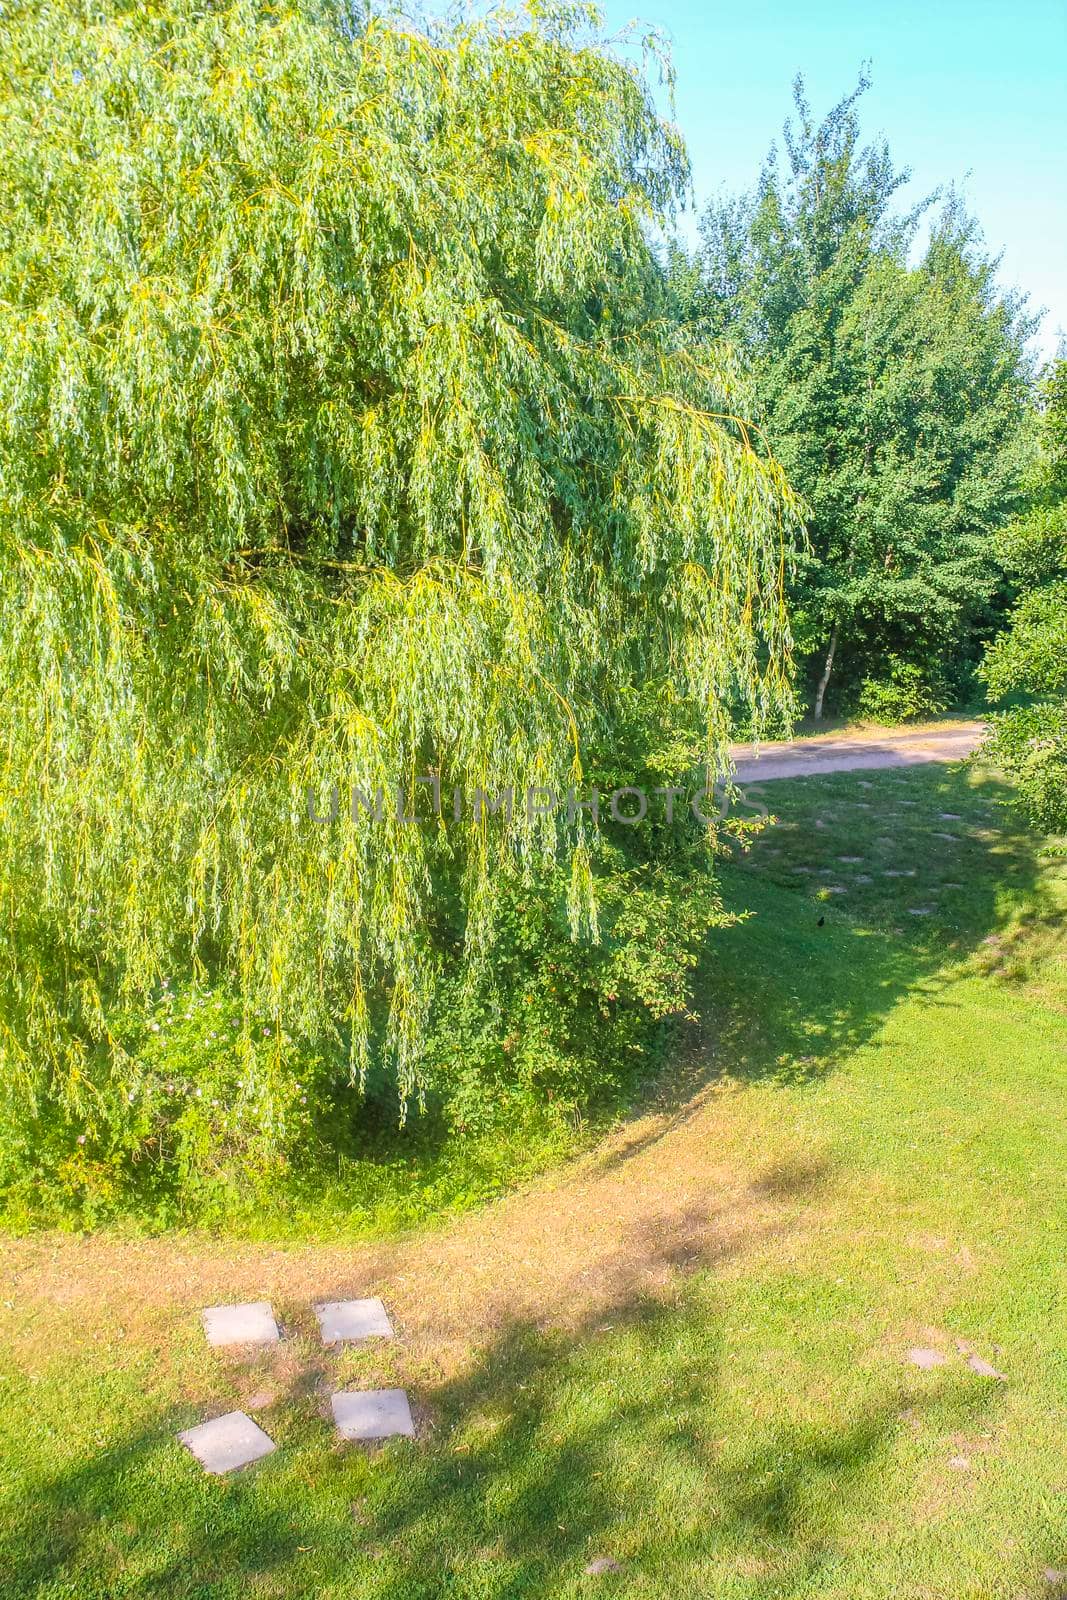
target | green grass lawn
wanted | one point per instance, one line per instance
(890, 1086)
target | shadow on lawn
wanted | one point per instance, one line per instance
(806, 981)
(624, 1435)
(619, 1438)
(549, 1452)
(802, 983)
(120, 1524)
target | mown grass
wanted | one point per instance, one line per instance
(892, 1086)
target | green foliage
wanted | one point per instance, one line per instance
(1030, 657)
(217, 1124)
(343, 439)
(894, 395)
(201, 1123)
(905, 694)
(567, 1020)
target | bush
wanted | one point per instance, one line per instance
(213, 1119)
(1030, 742)
(906, 694)
(202, 1119)
(213, 1115)
(569, 1021)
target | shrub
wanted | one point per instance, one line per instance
(906, 694)
(1028, 660)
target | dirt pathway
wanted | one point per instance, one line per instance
(677, 1188)
(850, 752)
(682, 1186)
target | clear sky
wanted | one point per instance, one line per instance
(970, 91)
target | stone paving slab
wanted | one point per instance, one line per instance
(226, 1443)
(341, 1320)
(249, 1324)
(372, 1414)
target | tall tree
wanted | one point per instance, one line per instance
(342, 440)
(1029, 659)
(894, 395)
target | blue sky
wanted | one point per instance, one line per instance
(971, 91)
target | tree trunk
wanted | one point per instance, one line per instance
(825, 679)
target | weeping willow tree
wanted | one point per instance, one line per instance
(342, 441)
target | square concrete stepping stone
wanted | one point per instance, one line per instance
(341, 1320)
(251, 1324)
(372, 1414)
(226, 1443)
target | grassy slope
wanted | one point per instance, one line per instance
(893, 1086)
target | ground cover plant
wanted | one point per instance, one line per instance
(687, 1354)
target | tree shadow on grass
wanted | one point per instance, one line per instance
(794, 990)
(805, 981)
(625, 1434)
(129, 1521)
(618, 1441)
(802, 983)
